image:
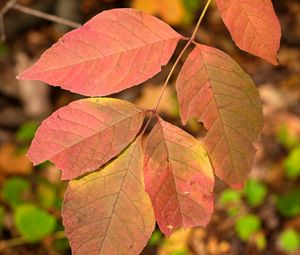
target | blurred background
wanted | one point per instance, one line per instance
(263, 218)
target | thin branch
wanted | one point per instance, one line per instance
(7, 7)
(190, 41)
(5, 244)
(46, 16)
(12, 4)
(3, 11)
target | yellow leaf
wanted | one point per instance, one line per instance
(172, 11)
(148, 6)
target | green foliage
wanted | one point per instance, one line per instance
(179, 252)
(191, 6)
(247, 226)
(3, 50)
(292, 163)
(255, 192)
(288, 204)
(61, 244)
(260, 241)
(13, 191)
(2, 216)
(289, 241)
(156, 238)
(26, 131)
(230, 196)
(33, 223)
(46, 194)
(286, 139)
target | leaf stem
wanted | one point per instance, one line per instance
(190, 41)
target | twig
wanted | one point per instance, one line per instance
(190, 41)
(5, 244)
(7, 7)
(46, 16)
(3, 11)
(12, 4)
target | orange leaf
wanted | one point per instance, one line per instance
(213, 88)
(115, 50)
(253, 26)
(178, 177)
(85, 134)
(108, 211)
(12, 162)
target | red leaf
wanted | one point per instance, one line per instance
(108, 211)
(178, 177)
(115, 50)
(253, 25)
(213, 88)
(86, 134)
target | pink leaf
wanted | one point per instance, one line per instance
(115, 50)
(213, 88)
(86, 134)
(178, 177)
(253, 25)
(108, 211)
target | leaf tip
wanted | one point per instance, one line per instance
(31, 158)
(25, 75)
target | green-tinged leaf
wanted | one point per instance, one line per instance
(192, 5)
(255, 192)
(260, 241)
(292, 164)
(14, 191)
(286, 138)
(61, 245)
(230, 199)
(229, 196)
(26, 131)
(156, 238)
(108, 211)
(46, 194)
(288, 204)
(247, 226)
(233, 211)
(179, 252)
(191, 8)
(3, 50)
(33, 223)
(2, 216)
(289, 241)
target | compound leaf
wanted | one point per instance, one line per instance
(178, 177)
(86, 134)
(108, 211)
(253, 26)
(213, 88)
(115, 50)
